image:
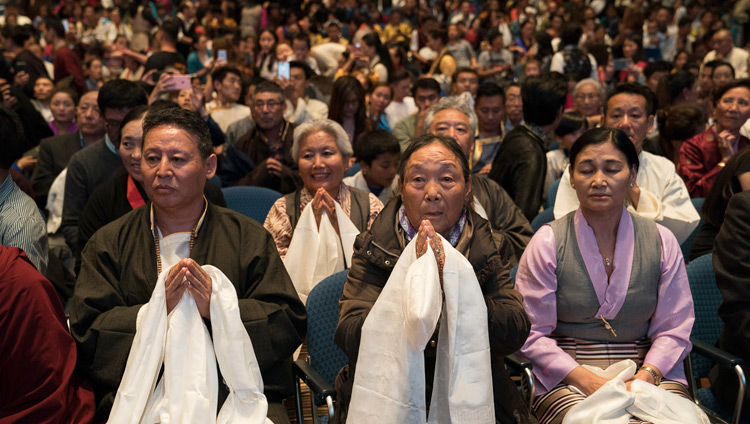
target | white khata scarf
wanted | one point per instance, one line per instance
(188, 389)
(389, 381)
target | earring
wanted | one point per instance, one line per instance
(573, 186)
(631, 185)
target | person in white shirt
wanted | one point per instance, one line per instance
(301, 47)
(299, 107)
(402, 104)
(224, 109)
(658, 193)
(725, 50)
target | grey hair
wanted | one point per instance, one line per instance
(452, 102)
(595, 83)
(328, 126)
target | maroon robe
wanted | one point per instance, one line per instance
(37, 354)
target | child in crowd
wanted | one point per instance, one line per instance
(377, 153)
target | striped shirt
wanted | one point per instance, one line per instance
(21, 224)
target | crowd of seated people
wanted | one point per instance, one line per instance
(453, 123)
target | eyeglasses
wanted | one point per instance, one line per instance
(271, 105)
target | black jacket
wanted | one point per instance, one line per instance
(732, 266)
(54, 154)
(510, 229)
(376, 253)
(520, 167)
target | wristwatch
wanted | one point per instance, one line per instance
(657, 377)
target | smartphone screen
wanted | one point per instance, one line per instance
(222, 55)
(66, 25)
(620, 64)
(283, 70)
(180, 82)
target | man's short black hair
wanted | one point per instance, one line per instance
(638, 90)
(183, 119)
(543, 96)
(121, 94)
(302, 36)
(399, 76)
(439, 34)
(221, 72)
(55, 25)
(571, 34)
(658, 66)
(302, 65)
(464, 70)
(13, 143)
(170, 30)
(18, 36)
(425, 84)
(372, 144)
(490, 89)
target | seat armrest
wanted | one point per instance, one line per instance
(515, 361)
(721, 357)
(317, 384)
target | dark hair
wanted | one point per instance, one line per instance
(268, 87)
(678, 123)
(425, 84)
(638, 40)
(671, 86)
(161, 104)
(489, 89)
(494, 33)
(721, 91)
(713, 64)
(302, 65)
(658, 66)
(170, 30)
(570, 123)
(120, 94)
(373, 39)
(464, 70)
(543, 96)
(570, 34)
(69, 91)
(398, 76)
(17, 35)
(439, 34)
(634, 89)
(221, 72)
(425, 140)
(302, 36)
(371, 144)
(184, 119)
(56, 25)
(135, 113)
(14, 142)
(341, 89)
(603, 135)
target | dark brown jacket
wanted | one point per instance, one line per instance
(376, 253)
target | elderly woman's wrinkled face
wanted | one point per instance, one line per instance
(601, 177)
(321, 163)
(434, 188)
(587, 100)
(733, 109)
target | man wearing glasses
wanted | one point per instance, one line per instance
(96, 164)
(263, 156)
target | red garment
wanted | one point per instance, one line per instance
(38, 354)
(699, 158)
(66, 64)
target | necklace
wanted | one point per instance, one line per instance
(193, 235)
(608, 262)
